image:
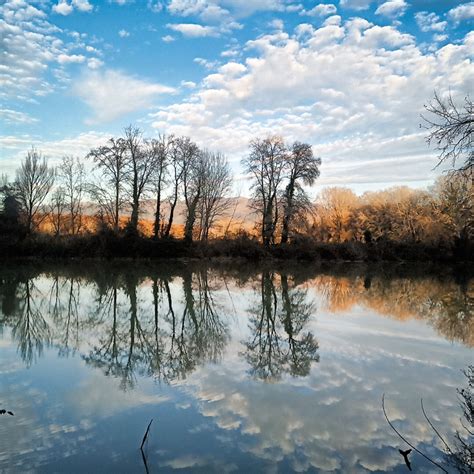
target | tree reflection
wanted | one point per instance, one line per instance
(165, 343)
(21, 311)
(164, 323)
(445, 304)
(278, 343)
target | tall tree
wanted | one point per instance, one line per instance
(176, 178)
(303, 168)
(160, 149)
(57, 208)
(266, 164)
(140, 164)
(110, 160)
(451, 130)
(34, 181)
(72, 176)
(193, 165)
(215, 187)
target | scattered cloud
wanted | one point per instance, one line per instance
(15, 117)
(392, 8)
(65, 7)
(355, 4)
(70, 58)
(430, 22)
(123, 33)
(30, 45)
(313, 86)
(193, 30)
(323, 9)
(111, 94)
(168, 38)
(462, 12)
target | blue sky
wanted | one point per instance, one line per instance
(349, 77)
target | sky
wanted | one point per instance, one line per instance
(350, 78)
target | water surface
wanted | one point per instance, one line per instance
(242, 368)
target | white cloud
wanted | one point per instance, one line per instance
(392, 8)
(63, 7)
(30, 45)
(357, 82)
(82, 5)
(112, 94)
(440, 37)
(123, 33)
(94, 63)
(355, 4)
(430, 22)
(462, 12)
(14, 117)
(168, 38)
(70, 58)
(193, 30)
(323, 9)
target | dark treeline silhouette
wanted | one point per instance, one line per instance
(66, 212)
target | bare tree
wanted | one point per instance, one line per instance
(451, 130)
(57, 208)
(266, 163)
(176, 177)
(193, 165)
(303, 168)
(216, 185)
(140, 166)
(108, 193)
(72, 175)
(34, 181)
(160, 149)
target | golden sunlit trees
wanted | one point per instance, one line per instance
(455, 199)
(335, 211)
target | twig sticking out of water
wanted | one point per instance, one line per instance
(448, 449)
(406, 441)
(145, 436)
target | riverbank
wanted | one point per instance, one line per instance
(108, 245)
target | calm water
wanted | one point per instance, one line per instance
(242, 369)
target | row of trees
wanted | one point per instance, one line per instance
(443, 213)
(127, 170)
(168, 169)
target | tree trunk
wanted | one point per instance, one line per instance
(190, 219)
(156, 227)
(170, 220)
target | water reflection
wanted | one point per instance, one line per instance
(215, 336)
(164, 323)
(445, 302)
(278, 342)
